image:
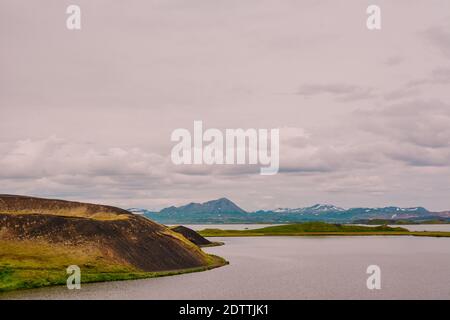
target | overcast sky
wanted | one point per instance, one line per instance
(364, 115)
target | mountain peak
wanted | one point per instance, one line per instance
(218, 206)
(220, 201)
(317, 208)
(326, 207)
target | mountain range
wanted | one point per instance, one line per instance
(224, 210)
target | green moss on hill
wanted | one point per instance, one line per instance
(26, 265)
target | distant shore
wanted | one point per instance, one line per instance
(321, 229)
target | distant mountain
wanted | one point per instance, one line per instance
(333, 213)
(389, 212)
(139, 211)
(445, 214)
(318, 208)
(219, 206)
(221, 210)
(225, 211)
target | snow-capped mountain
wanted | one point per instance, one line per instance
(225, 211)
(139, 211)
(317, 208)
(389, 212)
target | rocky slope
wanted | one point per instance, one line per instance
(192, 236)
(107, 234)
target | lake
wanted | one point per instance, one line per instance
(426, 227)
(413, 227)
(293, 268)
(229, 226)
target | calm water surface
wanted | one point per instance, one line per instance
(229, 226)
(426, 227)
(417, 227)
(293, 268)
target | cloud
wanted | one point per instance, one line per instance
(415, 132)
(440, 38)
(125, 95)
(394, 61)
(343, 92)
(438, 76)
(402, 93)
(367, 183)
(67, 162)
(416, 156)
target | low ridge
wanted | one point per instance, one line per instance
(14, 204)
(192, 236)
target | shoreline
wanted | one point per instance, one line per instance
(324, 234)
(321, 229)
(99, 277)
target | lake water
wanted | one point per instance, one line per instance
(293, 268)
(229, 226)
(418, 227)
(426, 227)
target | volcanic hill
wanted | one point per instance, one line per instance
(40, 238)
(192, 236)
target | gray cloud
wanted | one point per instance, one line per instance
(440, 38)
(342, 92)
(438, 76)
(113, 93)
(394, 61)
(414, 132)
(403, 93)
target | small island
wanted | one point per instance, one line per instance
(321, 229)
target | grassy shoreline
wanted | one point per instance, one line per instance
(98, 277)
(321, 229)
(322, 234)
(26, 265)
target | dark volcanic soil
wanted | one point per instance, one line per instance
(135, 240)
(192, 236)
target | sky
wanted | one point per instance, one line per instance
(363, 115)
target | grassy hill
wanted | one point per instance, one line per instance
(40, 238)
(13, 204)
